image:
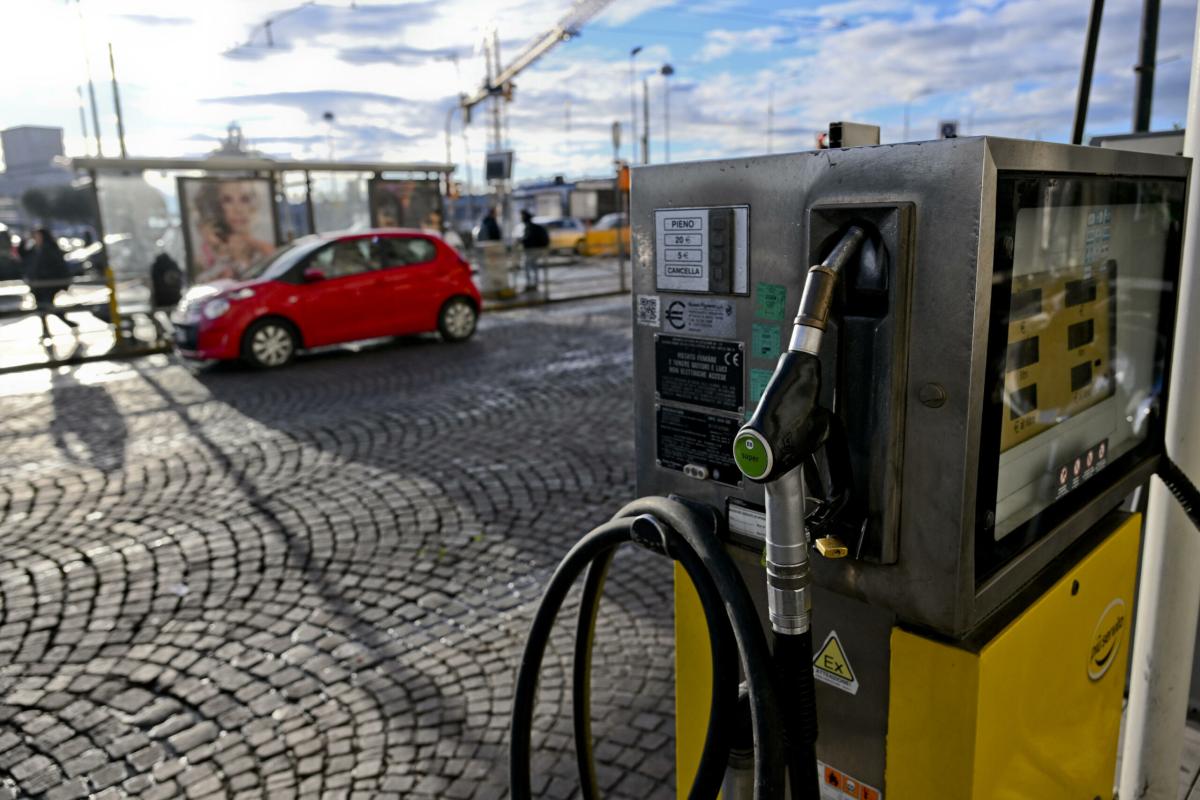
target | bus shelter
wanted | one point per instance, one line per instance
(164, 223)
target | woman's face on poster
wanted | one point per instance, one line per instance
(238, 205)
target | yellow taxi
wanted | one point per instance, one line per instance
(601, 238)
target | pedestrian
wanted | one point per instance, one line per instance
(47, 275)
(534, 243)
(489, 229)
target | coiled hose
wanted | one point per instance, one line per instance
(688, 536)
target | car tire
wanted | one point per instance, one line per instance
(270, 343)
(457, 319)
(580, 249)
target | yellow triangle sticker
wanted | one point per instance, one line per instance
(831, 666)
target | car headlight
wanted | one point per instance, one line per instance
(215, 308)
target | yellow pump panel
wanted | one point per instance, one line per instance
(1036, 712)
(693, 681)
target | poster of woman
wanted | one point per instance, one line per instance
(405, 204)
(229, 225)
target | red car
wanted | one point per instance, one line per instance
(326, 289)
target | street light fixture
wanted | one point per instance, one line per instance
(667, 71)
(633, 105)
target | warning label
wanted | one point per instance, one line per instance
(838, 785)
(703, 372)
(698, 439)
(831, 666)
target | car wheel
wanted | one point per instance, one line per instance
(456, 322)
(269, 343)
(580, 249)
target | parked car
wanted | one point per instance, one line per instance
(327, 289)
(601, 238)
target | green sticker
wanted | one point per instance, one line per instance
(759, 378)
(765, 341)
(771, 301)
(750, 455)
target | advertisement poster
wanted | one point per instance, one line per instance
(229, 225)
(406, 204)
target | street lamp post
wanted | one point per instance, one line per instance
(633, 137)
(667, 71)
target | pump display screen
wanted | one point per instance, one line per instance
(1083, 297)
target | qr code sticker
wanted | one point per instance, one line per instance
(647, 310)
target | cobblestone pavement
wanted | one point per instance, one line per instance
(316, 582)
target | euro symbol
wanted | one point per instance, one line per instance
(674, 315)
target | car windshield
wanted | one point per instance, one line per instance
(278, 263)
(609, 221)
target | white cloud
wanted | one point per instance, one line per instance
(1005, 68)
(720, 43)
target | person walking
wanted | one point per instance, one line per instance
(534, 243)
(47, 275)
(489, 229)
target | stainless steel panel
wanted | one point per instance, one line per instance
(951, 185)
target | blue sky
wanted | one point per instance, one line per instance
(390, 72)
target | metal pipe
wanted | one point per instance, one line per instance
(1169, 594)
(1085, 73)
(645, 121)
(633, 133)
(1145, 68)
(112, 66)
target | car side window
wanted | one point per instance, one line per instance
(344, 258)
(400, 252)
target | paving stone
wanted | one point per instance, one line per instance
(271, 566)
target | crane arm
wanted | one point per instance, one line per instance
(581, 11)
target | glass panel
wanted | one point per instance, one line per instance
(1082, 364)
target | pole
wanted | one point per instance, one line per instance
(770, 117)
(1085, 72)
(82, 117)
(87, 65)
(1145, 67)
(633, 131)
(645, 121)
(112, 66)
(1169, 594)
(110, 282)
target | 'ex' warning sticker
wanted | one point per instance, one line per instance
(831, 666)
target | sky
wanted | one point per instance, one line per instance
(390, 73)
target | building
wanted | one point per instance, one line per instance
(30, 153)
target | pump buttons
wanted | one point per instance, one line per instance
(832, 547)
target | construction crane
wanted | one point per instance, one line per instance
(498, 83)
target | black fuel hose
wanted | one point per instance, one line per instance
(723, 702)
(689, 538)
(1178, 484)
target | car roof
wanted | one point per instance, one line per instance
(360, 232)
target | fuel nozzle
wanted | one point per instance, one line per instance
(787, 428)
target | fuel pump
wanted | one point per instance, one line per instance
(905, 521)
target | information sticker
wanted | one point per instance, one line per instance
(703, 372)
(694, 438)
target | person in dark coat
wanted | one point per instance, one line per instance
(534, 242)
(47, 275)
(489, 229)
(166, 282)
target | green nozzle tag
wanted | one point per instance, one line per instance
(751, 455)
